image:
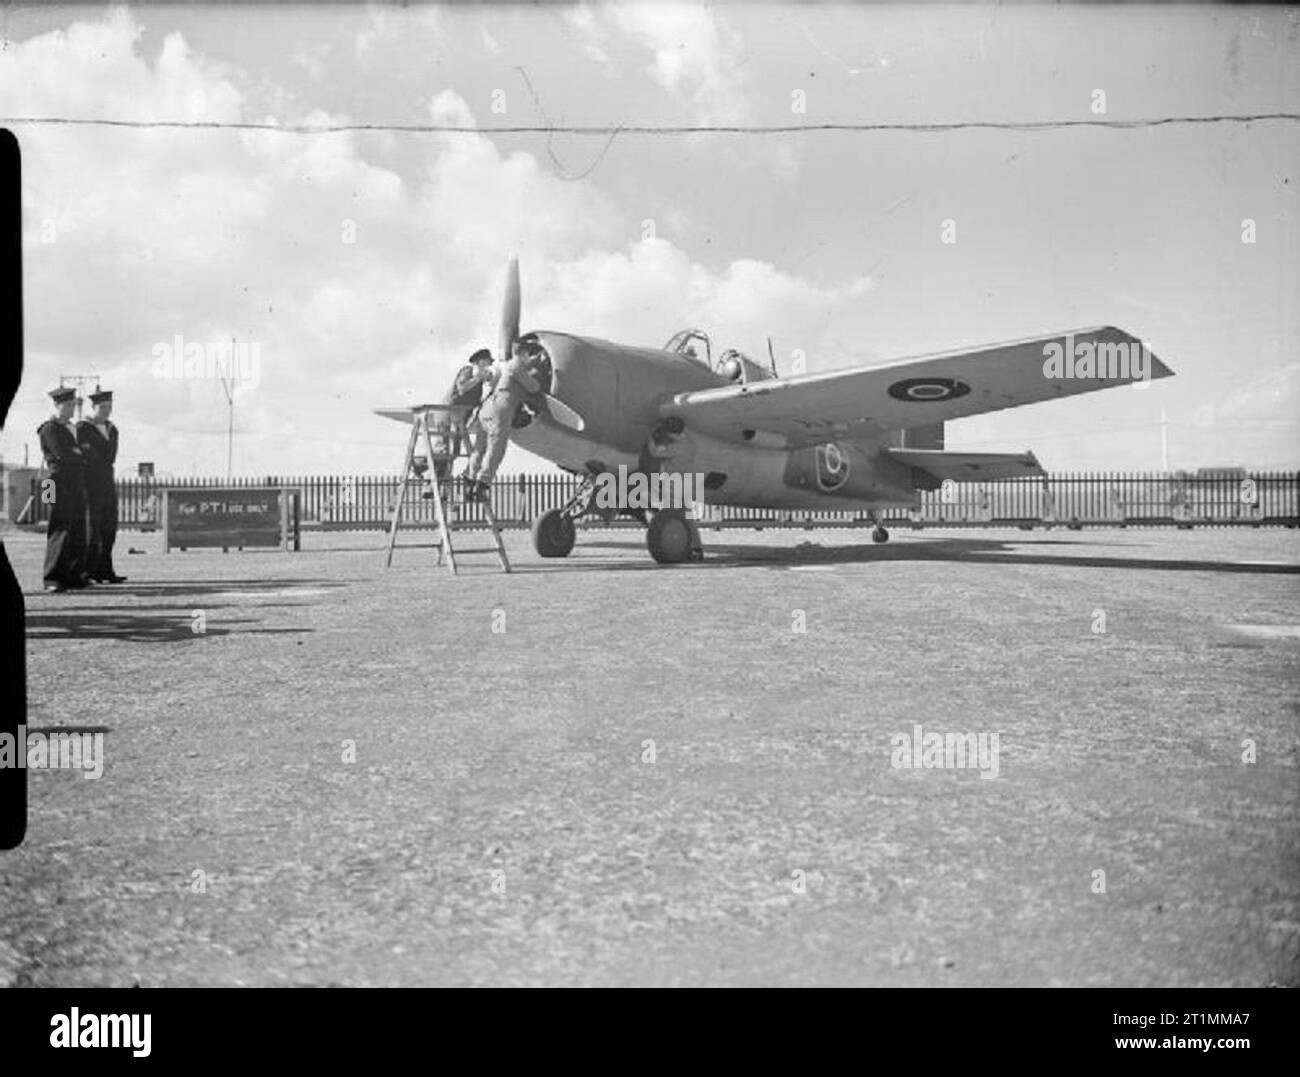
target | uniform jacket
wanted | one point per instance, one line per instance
(467, 389)
(63, 456)
(98, 452)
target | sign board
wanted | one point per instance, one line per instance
(144, 469)
(229, 516)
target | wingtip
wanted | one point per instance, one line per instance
(1159, 368)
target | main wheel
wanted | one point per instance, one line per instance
(671, 538)
(879, 535)
(554, 534)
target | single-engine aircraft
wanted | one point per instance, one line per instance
(862, 438)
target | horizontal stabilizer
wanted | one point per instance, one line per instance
(970, 466)
(436, 412)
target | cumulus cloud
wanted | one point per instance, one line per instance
(92, 69)
(311, 60)
(643, 294)
(696, 56)
(590, 36)
(385, 25)
(362, 283)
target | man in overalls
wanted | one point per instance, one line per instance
(512, 382)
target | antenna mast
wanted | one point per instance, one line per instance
(228, 384)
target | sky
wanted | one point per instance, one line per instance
(364, 266)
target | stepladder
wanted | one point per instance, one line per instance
(443, 431)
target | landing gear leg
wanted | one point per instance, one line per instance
(879, 534)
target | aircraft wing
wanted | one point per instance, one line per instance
(864, 402)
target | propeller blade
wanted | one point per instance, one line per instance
(509, 312)
(563, 414)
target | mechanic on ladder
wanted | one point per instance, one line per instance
(513, 380)
(466, 391)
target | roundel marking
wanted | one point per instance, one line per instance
(928, 390)
(832, 466)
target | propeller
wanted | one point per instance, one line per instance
(509, 312)
(563, 414)
(510, 308)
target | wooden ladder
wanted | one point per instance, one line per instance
(454, 431)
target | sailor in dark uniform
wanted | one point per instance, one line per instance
(65, 537)
(97, 438)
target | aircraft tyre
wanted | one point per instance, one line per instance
(879, 535)
(554, 534)
(672, 538)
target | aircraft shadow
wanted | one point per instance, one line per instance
(138, 628)
(187, 608)
(176, 588)
(54, 730)
(970, 551)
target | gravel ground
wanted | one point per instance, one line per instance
(368, 777)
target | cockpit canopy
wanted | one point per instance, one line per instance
(693, 344)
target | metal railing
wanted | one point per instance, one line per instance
(364, 502)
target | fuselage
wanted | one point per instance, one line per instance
(619, 392)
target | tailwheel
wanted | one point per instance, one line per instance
(554, 534)
(672, 538)
(879, 534)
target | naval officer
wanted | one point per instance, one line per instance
(97, 437)
(65, 536)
